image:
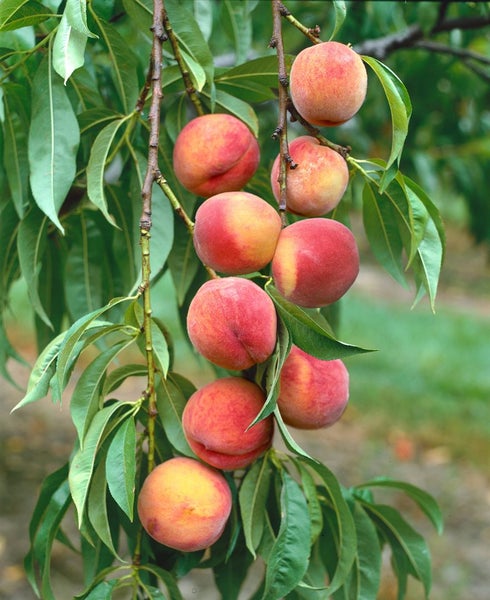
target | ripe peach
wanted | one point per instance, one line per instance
(236, 232)
(232, 322)
(317, 184)
(316, 261)
(215, 421)
(328, 83)
(215, 153)
(184, 504)
(313, 392)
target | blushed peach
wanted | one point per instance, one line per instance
(216, 420)
(328, 83)
(184, 504)
(313, 392)
(319, 181)
(215, 153)
(316, 261)
(236, 232)
(232, 322)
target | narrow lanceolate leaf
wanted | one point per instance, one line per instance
(170, 402)
(345, 528)
(288, 560)
(288, 439)
(83, 461)
(123, 63)
(237, 20)
(54, 137)
(15, 127)
(423, 499)
(237, 107)
(68, 49)
(52, 505)
(72, 337)
(408, 546)
(340, 14)
(182, 261)
(97, 508)
(381, 226)
(97, 164)
(42, 373)
(31, 244)
(400, 108)
(86, 398)
(366, 570)
(15, 14)
(252, 495)
(308, 334)
(76, 12)
(121, 466)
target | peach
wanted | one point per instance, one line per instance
(319, 181)
(328, 83)
(232, 322)
(215, 153)
(215, 422)
(313, 392)
(236, 232)
(184, 504)
(316, 261)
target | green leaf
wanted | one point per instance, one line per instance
(97, 507)
(340, 14)
(381, 227)
(237, 107)
(170, 402)
(15, 127)
(311, 493)
(121, 466)
(345, 528)
(15, 14)
(86, 397)
(83, 461)
(182, 261)
(42, 373)
(423, 499)
(31, 245)
(76, 12)
(102, 591)
(167, 578)
(400, 108)
(252, 495)
(53, 142)
(405, 542)
(69, 345)
(190, 37)
(366, 571)
(306, 333)
(288, 439)
(52, 505)
(117, 376)
(273, 373)
(123, 63)
(97, 164)
(238, 24)
(68, 49)
(160, 348)
(288, 560)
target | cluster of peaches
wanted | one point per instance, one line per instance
(185, 503)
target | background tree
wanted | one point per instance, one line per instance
(87, 161)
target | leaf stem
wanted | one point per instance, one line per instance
(189, 86)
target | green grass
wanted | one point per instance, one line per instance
(430, 376)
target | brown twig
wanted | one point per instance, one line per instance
(281, 130)
(189, 86)
(312, 33)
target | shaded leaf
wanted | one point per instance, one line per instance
(170, 402)
(15, 14)
(253, 494)
(121, 466)
(288, 560)
(97, 507)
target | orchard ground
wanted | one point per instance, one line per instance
(422, 417)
